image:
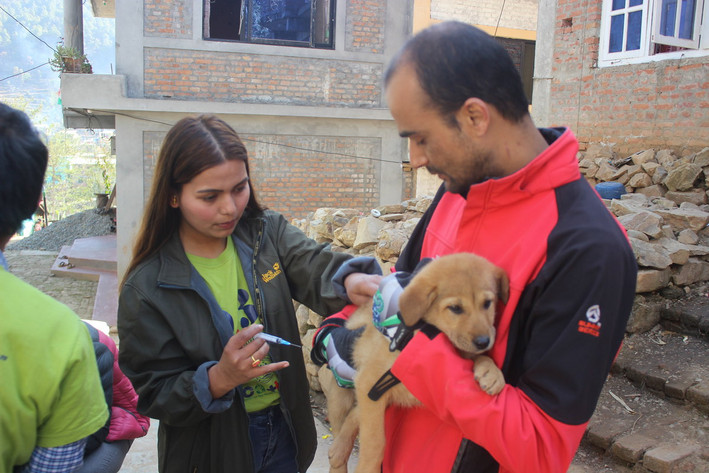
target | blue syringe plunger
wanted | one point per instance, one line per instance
(274, 339)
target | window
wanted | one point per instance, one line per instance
(632, 29)
(307, 23)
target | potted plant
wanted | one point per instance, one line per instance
(68, 59)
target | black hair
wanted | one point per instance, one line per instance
(455, 61)
(23, 162)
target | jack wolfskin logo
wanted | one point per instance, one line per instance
(592, 324)
(272, 273)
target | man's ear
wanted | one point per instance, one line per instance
(474, 116)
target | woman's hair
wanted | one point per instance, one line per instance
(455, 61)
(193, 145)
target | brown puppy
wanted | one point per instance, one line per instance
(456, 293)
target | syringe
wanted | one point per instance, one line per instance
(274, 339)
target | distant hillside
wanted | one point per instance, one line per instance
(20, 51)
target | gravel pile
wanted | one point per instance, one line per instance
(89, 223)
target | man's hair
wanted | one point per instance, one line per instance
(23, 162)
(455, 61)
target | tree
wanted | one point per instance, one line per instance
(80, 164)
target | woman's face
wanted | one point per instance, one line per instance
(211, 205)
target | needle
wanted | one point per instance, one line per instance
(274, 339)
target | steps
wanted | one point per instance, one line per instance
(653, 413)
(93, 259)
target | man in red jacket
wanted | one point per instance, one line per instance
(513, 194)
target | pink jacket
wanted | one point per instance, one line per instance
(126, 422)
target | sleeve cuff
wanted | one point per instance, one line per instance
(360, 264)
(200, 384)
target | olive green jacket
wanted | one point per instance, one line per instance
(172, 330)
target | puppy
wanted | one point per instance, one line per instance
(456, 293)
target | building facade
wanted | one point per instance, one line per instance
(300, 81)
(631, 74)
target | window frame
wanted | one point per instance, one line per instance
(246, 24)
(650, 37)
(659, 38)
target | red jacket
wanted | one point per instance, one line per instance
(572, 283)
(126, 422)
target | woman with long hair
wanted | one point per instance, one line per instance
(211, 270)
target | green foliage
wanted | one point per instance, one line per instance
(67, 59)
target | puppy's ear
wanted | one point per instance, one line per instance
(503, 284)
(416, 299)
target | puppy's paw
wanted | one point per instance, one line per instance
(488, 375)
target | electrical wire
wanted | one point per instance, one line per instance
(299, 148)
(28, 30)
(24, 72)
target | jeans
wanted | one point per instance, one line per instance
(108, 458)
(271, 442)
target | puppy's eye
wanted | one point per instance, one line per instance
(456, 309)
(487, 303)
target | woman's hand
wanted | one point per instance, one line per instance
(361, 287)
(240, 361)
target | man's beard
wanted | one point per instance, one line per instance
(481, 170)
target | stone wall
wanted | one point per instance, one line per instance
(664, 210)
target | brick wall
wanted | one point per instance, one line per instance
(168, 18)
(518, 14)
(292, 179)
(662, 104)
(251, 78)
(364, 30)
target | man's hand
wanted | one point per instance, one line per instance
(385, 311)
(333, 344)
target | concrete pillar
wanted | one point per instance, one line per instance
(74, 25)
(543, 62)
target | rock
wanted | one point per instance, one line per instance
(678, 252)
(640, 180)
(681, 219)
(644, 316)
(683, 177)
(638, 234)
(701, 158)
(391, 241)
(408, 225)
(694, 196)
(302, 316)
(600, 150)
(693, 271)
(347, 233)
(392, 217)
(665, 157)
(650, 255)
(621, 207)
(605, 172)
(644, 221)
(643, 157)
(423, 204)
(367, 232)
(660, 175)
(650, 168)
(688, 237)
(655, 190)
(391, 209)
(650, 280)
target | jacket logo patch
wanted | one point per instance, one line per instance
(272, 273)
(592, 324)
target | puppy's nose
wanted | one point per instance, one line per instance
(481, 342)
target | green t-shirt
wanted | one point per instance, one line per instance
(225, 277)
(51, 393)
